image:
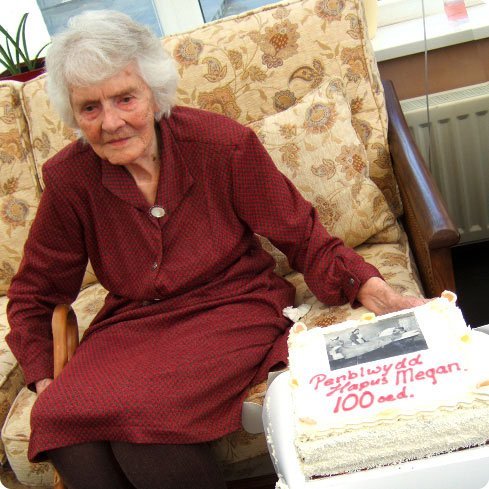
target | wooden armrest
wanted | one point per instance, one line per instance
(430, 229)
(65, 341)
(65, 336)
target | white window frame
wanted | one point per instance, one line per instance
(178, 15)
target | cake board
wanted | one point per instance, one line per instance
(465, 469)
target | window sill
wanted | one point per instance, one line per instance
(405, 38)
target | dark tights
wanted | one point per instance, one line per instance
(119, 465)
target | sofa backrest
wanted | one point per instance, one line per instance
(262, 62)
(19, 188)
(48, 134)
(279, 69)
(30, 133)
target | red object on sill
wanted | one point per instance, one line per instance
(456, 10)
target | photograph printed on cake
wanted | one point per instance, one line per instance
(373, 341)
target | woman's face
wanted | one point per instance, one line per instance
(117, 117)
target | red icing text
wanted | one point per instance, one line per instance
(361, 387)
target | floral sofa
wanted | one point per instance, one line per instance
(303, 76)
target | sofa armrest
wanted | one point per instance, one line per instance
(65, 336)
(429, 227)
(65, 341)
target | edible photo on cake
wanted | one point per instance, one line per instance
(371, 341)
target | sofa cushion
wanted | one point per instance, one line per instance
(19, 190)
(315, 145)
(262, 62)
(87, 305)
(11, 378)
(16, 432)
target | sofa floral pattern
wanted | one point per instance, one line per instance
(302, 75)
(256, 65)
(11, 378)
(315, 145)
(19, 193)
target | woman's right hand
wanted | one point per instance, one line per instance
(41, 385)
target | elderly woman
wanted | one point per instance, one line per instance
(158, 198)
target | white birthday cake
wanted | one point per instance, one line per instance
(387, 389)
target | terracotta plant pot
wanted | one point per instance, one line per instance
(25, 75)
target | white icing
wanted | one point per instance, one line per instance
(396, 441)
(281, 484)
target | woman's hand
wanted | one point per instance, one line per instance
(42, 385)
(380, 298)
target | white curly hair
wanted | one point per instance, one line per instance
(99, 44)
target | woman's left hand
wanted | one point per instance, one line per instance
(42, 385)
(380, 298)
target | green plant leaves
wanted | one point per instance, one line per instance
(15, 55)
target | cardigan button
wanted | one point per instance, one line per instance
(154, 266)
(352, 281)
(157, 211)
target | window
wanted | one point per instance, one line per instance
(57, 12)
(181, 15)
(162, 16)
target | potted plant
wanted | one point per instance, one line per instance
(14, 56)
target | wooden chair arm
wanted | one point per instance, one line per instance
(65, 341)
(429, 227)
(65, 336)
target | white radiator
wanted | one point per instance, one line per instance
(456, 150)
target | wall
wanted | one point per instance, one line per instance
(11, 12)
(451, 67)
